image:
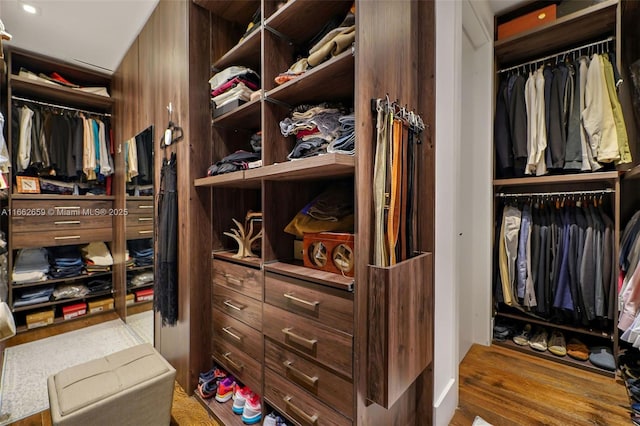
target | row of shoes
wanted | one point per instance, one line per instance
(221, 385)
(629, 364)
(540, 339)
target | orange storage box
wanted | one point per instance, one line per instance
(527, 22)
(144, 295)
(73, 311)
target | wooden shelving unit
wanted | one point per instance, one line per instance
(318, 167)
(253, 262)
(296, 270)
(59, 320)
(24, 87)
(61, 301)
(220, 411)
(245, 52)
(62, 197)
(606, 177)
(236, 11)
(231, 180)
(62, 280)
(581, 330)
(245, 116)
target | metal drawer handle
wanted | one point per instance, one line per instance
(309, 343)
(297, 299)
(67, 222)
(145, 219)
(66, 207)
(311, 381)
(145, 232)
(145, 207)
(312, 420)
(233, 280)
(235, 336)
(231, 305)
(234, 364)
(68, 237)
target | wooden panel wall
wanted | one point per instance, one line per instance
(168, 61)
(405, 37)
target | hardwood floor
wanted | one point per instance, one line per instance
(506, 387)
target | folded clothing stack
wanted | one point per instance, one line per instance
(130, 262)
(141, 251)
(98, 286)
(239, 160)
(65, 261)
(141, 279)
(30, 265)
(70, 291)
(334, 38)
(317, 127)
(235, 83)
(97, 257)
(56, 79)
(33, 296)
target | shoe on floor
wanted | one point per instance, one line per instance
(577, 350)
(214, 373)
(557, 344)
(539, 340)
(523, 337)
(208, 389)
(602, 357)
(225, 389)
(273, 419)
(252, 412)
(239, 398)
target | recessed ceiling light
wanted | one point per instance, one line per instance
(29, 8)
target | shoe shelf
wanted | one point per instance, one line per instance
(61, 280)
(296, 270)
(246, 116)
(252, 262)
(567, 360)
(595, 177)
(298, 20)
(221, 411)
(229, 180)
(246, 52)
(577, 330)
(586, 24)
(333, 79)
(60, 302)
(59, 320)
(318, 167)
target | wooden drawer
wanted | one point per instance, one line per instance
(329, 388)
(328, 346)
(238, 334)
(46, 215)
(138, 220)
(329, 306)
(299, 405)
(242, 366)
(142, 207)
(60, 237)
(240, 307)
(242, 279)
(137, 232)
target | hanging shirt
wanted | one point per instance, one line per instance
(5, 160)
(621, 129)
(89, 154)
(105, 167)
(24, 144)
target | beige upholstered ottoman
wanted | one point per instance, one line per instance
(130, 387)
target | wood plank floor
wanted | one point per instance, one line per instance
(506, 387)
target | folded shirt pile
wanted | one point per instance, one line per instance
(70, 291)
(31, 265)
(98, 286)
(318, 127)
(65, 262)
(56, 79)
(141, 279)
(239, 160)
(141, 251)
(333, 39)
(33, 296)
(232, 84)
(97, 257)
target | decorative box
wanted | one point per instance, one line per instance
(329, 251)
(39, 319)
(73, 311)
(527, 22)
(100, 305)
(144, 295)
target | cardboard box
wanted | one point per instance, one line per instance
(100, 305)
(39, 319)
(144, 295)
(74, 311)
(526, 22)
(131, 299)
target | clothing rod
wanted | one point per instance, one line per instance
(553, 194)
(18, 98)
(595, 43)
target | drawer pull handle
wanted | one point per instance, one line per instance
(312, 420)
(234, 364)
(309, 343)
(66, 207)
(68, 237)
(304, 302)
(233, 280)
(231, 305)
(66, 222)
(145, 207)
(145, 232)
(230, 333)
(311, 381)
(145, 219)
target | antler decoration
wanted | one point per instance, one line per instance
(243, 236)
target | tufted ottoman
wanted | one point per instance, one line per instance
(130, 387)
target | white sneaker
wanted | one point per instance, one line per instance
(239, 399)
(252, 412)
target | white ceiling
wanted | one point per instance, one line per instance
(95, 32)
